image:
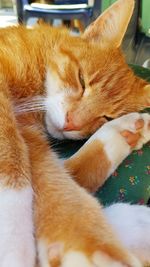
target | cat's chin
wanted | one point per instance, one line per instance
(74, 135)
(54, 132)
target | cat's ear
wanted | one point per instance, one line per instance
(108, 29)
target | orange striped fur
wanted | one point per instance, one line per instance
(91, 73)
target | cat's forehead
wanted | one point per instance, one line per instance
(92, 58)
(86, 54)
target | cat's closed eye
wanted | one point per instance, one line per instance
(108, 118)
(81, 79)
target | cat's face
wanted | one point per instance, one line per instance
(88, 80)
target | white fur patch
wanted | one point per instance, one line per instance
(55, 107)
(48, 252)
(16, 228)
(42, 249)
(55, 115)
(132, 224)
(75, 259)
(51, 84)
(73, 135)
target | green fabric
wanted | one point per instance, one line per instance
(131, 181)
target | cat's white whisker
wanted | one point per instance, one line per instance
(29, 110)
(34, 104)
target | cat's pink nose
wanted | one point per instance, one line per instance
(69, 124)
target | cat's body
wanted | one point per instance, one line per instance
(77, 79)
(132, 223)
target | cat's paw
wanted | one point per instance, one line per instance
(134, 127)
(98, 259)
(120, 136)
(74, 258)
(144, 131)
(88, 241)
(139, 136)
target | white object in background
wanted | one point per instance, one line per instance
(146, 64)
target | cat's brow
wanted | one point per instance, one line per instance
(103, 80)
(95, 78)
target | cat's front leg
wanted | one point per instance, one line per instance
(107, 148)
(71, 230)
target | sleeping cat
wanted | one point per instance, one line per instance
(82, 81)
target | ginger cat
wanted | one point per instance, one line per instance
(78, 82)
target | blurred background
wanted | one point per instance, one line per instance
(77, 15)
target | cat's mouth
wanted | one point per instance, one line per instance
(75, 133)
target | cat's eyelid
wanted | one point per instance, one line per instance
(108, 118)
(81, 79)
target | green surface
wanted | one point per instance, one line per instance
(141, 72)
(107, 3)
(131, 182)
(145, 17)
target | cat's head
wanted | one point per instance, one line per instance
(88, 80)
